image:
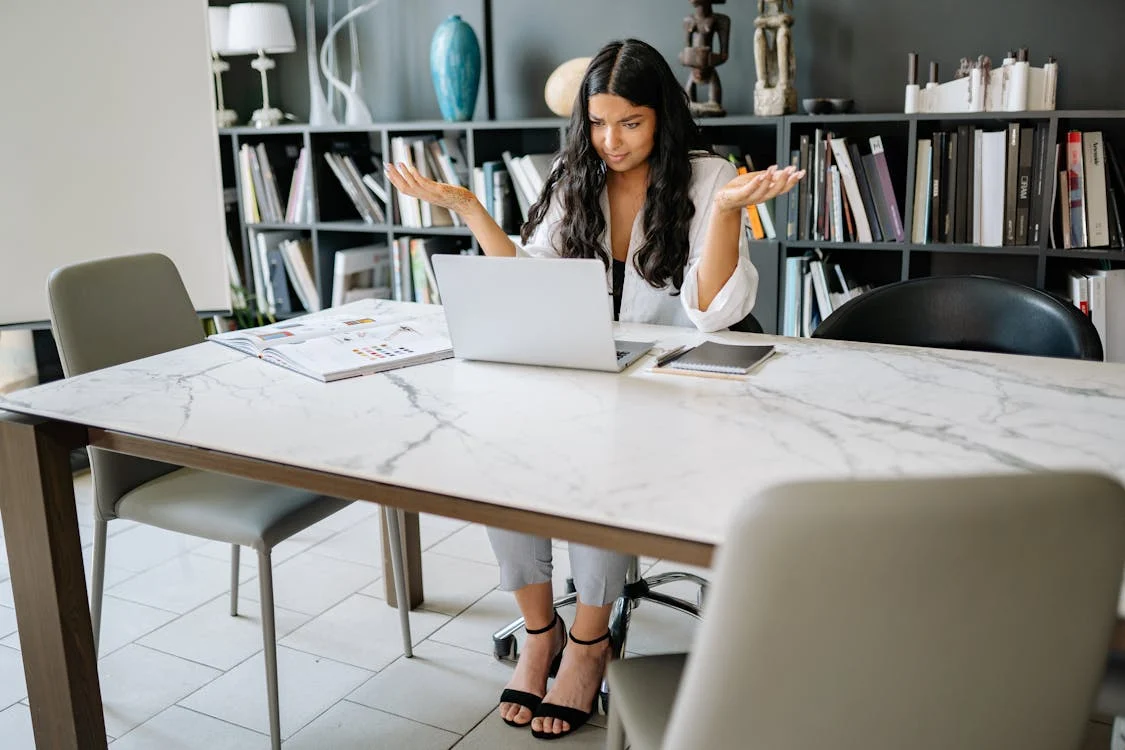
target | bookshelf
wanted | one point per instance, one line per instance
(336, 224)
(1036, 264)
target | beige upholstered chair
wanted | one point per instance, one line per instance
(970, 613)
(106, 312)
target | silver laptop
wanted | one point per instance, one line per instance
(532, 311)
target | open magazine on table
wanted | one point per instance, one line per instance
(339, 345)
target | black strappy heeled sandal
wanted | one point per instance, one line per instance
(530, 700)
(571, 716)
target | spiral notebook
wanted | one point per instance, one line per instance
(711, 356)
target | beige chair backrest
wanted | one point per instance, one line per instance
(106, 312)
(952, 614)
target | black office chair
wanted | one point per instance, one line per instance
(976, 313)
(749, 324)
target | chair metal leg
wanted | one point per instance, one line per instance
(234, 554)
(662, 578)
(674, 602)
(618, 633)
(97, 582)
(269, 645)
(398, 570)
(615, 731)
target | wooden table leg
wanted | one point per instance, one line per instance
(412, 554)
(48, 582)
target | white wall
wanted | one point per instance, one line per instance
(17, 361)
(107, 144)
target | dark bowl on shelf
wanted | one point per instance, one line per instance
(820, 106)
(816, 106)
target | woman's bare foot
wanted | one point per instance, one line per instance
(579, 680)
(531, 671)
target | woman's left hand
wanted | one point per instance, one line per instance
(756, 187)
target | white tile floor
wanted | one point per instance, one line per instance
(177, 671)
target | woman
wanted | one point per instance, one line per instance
(668, 223)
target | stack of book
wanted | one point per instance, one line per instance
(983, 187)
(281, 271)
(441, 159)
(365, 190)
(412, 273)
(847, 195)
(759, 216)
(1090, 189)
(261, 196)
(510, 186)
(815, 287)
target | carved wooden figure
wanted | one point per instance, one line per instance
(774, 59)
(702, 29)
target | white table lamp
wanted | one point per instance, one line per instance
(261, 28)
(217, 22)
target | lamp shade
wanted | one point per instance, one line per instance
(217, 20)
(260, 26)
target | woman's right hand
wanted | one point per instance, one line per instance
(409, 181)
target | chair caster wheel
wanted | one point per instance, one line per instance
(504, 648)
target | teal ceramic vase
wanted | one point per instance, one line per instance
(455, 67)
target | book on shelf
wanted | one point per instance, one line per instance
(351, 341)
(886, 207)
(1100, 294)
(299, 207)
(1076, 183)
(250, 213)
(297, 255)
(922, 175)
(347, 174)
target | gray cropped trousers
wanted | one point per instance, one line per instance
(599, 574)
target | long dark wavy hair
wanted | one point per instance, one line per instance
(635, 71)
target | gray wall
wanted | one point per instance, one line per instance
(845, 48)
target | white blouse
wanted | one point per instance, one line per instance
(640, 302)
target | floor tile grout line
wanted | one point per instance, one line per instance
(280, 672)
(258, 653)
(348, 699)
(475, 728)
(197, 713)
(17, 702)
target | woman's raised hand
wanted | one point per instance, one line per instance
(408, 180)
(756, 187)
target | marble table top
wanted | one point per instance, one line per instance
(651, 452)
